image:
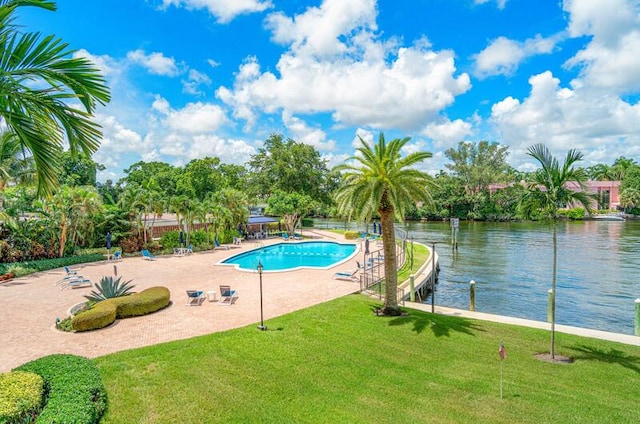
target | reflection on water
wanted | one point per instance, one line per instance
(598, 269)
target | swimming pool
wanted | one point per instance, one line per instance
(289, 256)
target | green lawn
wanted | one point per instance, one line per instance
(338, 363)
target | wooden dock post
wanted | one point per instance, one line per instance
(637, 325)
(412, 293)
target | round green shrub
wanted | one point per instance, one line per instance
(105, 312)
(20, 395)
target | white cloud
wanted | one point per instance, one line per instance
(156, 63)
(447, 133)
(193, 82)
(339, 67)
(194, 118)
(303, 133)
(610, 60)
(563, 119)
(223, 10)
(500, 3)
(503, 56)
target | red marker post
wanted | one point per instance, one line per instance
(503, 355)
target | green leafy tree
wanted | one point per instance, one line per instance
(41, 84)
(164, 175)
(378, 179)
(200, 177)
(288, 166)
(479, 164)
(78, 170)
(16, 166)
(547, 193)
(291, 206)
(630, 188)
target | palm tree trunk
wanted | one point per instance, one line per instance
(63, 237)
(390, 274)
(553, 289)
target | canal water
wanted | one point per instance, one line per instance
(598, 269)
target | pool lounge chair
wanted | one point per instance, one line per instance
(76, 283)
(227, 295)
(117, 256)
(346, 275)
(195, 297)
(147, 256)
(219, 246)
(285, 236)
(70, 275)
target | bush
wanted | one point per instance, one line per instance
(21, 395)
(132, 244)
(47, 264)
(105, 312)
(351, 235)
(307, 222)
(76, 393)
(108, 288)
(574, 213)
(19, 271)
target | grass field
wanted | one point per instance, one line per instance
(339, 363)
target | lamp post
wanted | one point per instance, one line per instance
(433, 276)
(261, 327)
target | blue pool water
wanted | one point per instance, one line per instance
(288, 256)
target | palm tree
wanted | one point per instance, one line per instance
(378, 179)
(41, 85)
(547, 193)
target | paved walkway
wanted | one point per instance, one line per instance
(30, 305)
(584, 332)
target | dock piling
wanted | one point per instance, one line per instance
(472, 295)
(637, 324)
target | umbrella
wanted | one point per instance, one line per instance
(366, 246)
(181, 238)
(108, 240)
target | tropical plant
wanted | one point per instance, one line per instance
(547, 193)
(378, 179)
(15, 163)
(110, 287)
(42, 83)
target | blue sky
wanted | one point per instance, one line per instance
(196, 78)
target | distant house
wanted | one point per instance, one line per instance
(607, 193)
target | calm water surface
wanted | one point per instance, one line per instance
(598, 269)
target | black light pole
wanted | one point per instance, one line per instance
(433, 276)
(261, 326)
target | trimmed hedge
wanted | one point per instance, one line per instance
(351, 235)
(76, 393)
(105, 312)
(47, 264)
(20, 396)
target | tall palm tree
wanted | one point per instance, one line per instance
(41, 85)
(378, 179)
(547, 193)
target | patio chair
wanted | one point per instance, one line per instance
(76, 283)
(70, 275)
(147, 256)
(227, 295)
(218, 246)
(346, 275)
(297, 236)
(117, 255)
(189, 250)
(285, 236)
(195, 297)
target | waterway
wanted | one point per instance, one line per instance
(598, 269)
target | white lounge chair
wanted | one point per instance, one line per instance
(346, 275)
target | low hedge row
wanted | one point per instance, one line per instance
(20, 396)
(351, 235)
(47, 264)
(76, 393)
(105, 312)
